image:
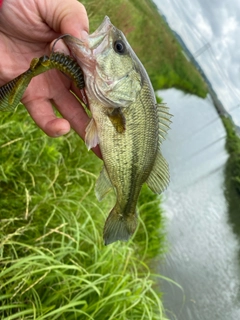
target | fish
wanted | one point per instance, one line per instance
(11, 93)
(127, 123)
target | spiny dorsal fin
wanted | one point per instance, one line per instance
(103, 185)
(163, 121)
(158, 179)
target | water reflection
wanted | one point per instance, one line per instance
(203, 250)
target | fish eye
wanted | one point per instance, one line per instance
(119, 47)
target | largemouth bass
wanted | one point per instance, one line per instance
(127, 123)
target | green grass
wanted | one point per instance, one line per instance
(53, 263)
(232, 175)
(233, 163)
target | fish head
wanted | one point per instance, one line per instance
(113, 74)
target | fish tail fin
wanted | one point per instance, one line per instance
(119, 227)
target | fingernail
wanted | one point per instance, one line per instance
(84, 35)
(61, 133)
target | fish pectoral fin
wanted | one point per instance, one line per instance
(91, 137)
(117, 118)
(103, 185)
(158, 179)
(119, 227)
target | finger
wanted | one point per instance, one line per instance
(81, 94)
(65, 16)
(71, 109)
(59, 46)
(42, 113)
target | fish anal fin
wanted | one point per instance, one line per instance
(119, 227)
(91, 137)
(118, 120)
(103, 185)
(158, 179)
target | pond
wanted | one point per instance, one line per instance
(203, 251)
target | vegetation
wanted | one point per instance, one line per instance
(233, 148)
(52, 260)
(232, 174)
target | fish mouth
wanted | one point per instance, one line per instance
(103, 29)
(101, 81)
(85, 50)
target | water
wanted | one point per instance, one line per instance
(203, 250)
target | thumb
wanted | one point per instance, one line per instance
(65, 16)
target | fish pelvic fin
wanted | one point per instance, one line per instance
(119, 227)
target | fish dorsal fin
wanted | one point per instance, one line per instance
(118, 119)
(91, 137)
(158, 179)
(103, 184)
(163, 121)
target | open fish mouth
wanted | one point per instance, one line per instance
(85, 50)
(104, 27)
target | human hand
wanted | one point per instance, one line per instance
(27, 28)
